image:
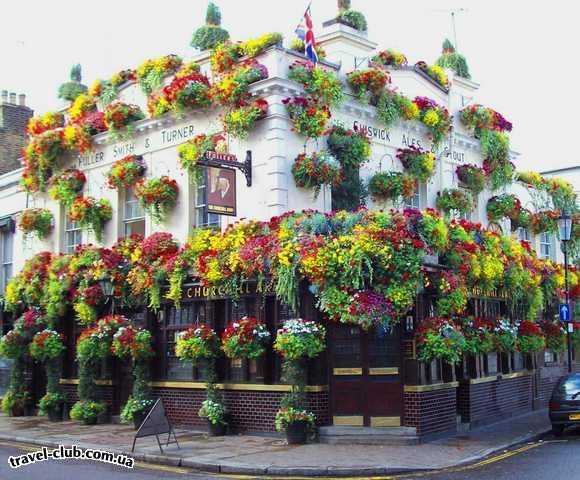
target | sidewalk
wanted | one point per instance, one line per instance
(253, 454)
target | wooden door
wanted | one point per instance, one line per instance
(366, 388)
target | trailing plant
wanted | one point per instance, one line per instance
(91, 214)
(391, 186)
(479, 336)
(191, 152)
(197, 343)
(435, 72)
(439, 339)
(119, 116)
(418, 164)
(151, 72)
(393, 106)
(315, 170)
(299, 46)
(471, 177)
(299, 338)
(125, 172)
(67, 186)
(555, 335)
(239, 121)
(390, 58)
(245, 338)
(453, 60)
(157, 196)
(40, 159)
(36, 221)
(454, 199)
(351, 148)
(368, 84)
(451, 294)
(307, 116)
(434, 117)
(233, 87)
(544, 222)
(43, 123)
(288, 415)
(505, 336)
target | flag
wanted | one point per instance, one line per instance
(305, 33)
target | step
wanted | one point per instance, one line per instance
(343, 435)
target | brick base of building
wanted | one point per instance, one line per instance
(249, 410)
(431, 412)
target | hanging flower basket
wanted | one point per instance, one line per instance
(119, 116)
(439, 339)
(315, 170)
(417, 163)
(479, 336)
(91, 214)
(368, 84)
(240, 121)
(530, 337)
(157, 196)
(322, 86)
(434, 117)
(197, 343)
(245, 338)
(67, 186)
(390, 58)
(234, 87)
(435, 72)
(454, 199)
(43, 123)
(46, 345)
(505, 336)
(36, 221)
(132, 342)
(40, 159)
(555, 335)
(351, 147)
(503, 206)
(190, 92)
(125, 172)
(391, 186)
(300, 338)
(308, 117)
(151, 72)
(471, 177)
(545, 221)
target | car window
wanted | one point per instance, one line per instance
(570, 386)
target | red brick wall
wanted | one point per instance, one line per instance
(431, 412)
(481, 403)
(70, 392)
(250, 410)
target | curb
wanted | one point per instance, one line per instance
(305, 471)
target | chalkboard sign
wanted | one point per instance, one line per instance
(156, 423)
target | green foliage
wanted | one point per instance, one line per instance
(71, 90)
(87, 411)
(354, 19)
(75, 73)
(436, 346)
(456, 62)
(52, 401)
(448, 46)
(530, 343)
(213, 15)
(214, 412)
(208, 37)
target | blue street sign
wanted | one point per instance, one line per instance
(564, 312)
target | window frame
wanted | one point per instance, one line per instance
(70, 247)
(130, 200)
(6, 264)
(203, 218)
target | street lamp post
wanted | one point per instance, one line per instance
(565, 227)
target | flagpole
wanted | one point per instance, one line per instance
(307, 8)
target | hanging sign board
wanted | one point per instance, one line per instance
(221, 191)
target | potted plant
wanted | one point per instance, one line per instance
(246, 338)
(215, 414)
(390, 58)
(51, 405)
(439, 338)
(136, 410)
(368, 84)
(454, 199)
(296, 423)
(315, 170)
(471, 177)
(88, 411)
(119, 116)
(555, 335)
(391, 186)
(418, 164)
(240, 120)
(530, 338)
(157, 196)
(67, 186)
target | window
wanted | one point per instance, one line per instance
(133, 215)
(415, 200)
(523, 234)
(6, 246)
(72, 235)
(546, 245)
(202, 217)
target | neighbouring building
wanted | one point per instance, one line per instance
(365, 379)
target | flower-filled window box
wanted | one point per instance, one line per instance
(390, 58)
(36, 221)
(435, 73)
(233, 88)
(189, 92)
(157, 196)
(530, 338)
(151, 72)
(368, 84)
(119, 116)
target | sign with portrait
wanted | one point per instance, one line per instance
(221, 191)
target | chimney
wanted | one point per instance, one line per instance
(14, 116)
(22, 100)
(4, 96)
(13, 98)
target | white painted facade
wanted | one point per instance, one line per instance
(274, 147)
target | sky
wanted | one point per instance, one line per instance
(523, 53)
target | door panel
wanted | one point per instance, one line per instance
(365, 378)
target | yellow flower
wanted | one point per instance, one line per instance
(431, 118)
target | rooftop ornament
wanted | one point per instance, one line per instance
(453, 60)
(211, 34)
(71, 90)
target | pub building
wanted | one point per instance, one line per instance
(368, 379)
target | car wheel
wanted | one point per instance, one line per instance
(558, 429)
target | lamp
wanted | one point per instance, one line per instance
(565, 228)
(107, 287)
